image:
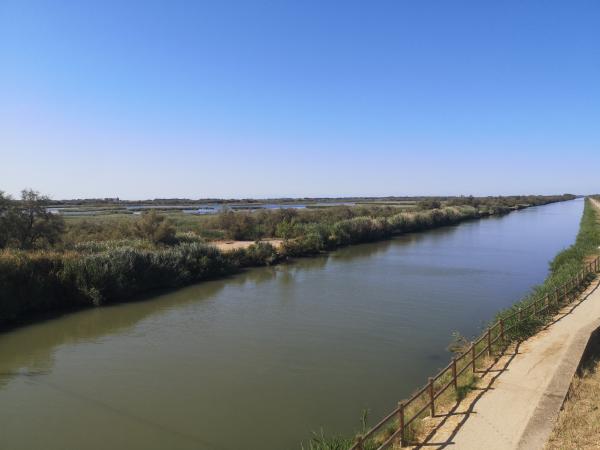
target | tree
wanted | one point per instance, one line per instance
(5, 224)
(30, 224)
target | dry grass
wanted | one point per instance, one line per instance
(578, 426)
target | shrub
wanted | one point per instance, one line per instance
(258, 254)
(155, 227)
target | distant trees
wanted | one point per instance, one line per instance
(27, 223)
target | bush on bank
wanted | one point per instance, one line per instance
(38, 282)
(94, 273)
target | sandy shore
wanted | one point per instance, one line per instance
(234, 245)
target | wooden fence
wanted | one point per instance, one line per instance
(395, 426)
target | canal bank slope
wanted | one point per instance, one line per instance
(516, 403)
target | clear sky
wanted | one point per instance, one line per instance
(144, 99)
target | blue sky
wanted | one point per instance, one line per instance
(144, 99)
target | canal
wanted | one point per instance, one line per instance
(261, 359)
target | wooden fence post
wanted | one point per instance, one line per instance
(489, 342)
(431, 400)
(359, 442)
(401, 424)
(502, 330)
(473, 356)
(520, 316)
(454, 379)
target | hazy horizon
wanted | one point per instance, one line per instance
(232, 99)
(242, 198)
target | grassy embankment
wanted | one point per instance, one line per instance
(99, 261)
(563, 267)
(578, 424)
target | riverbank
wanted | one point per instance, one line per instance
(96, 273)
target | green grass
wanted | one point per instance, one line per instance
(467, 386)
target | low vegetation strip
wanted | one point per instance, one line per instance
(44, 268)
(570, 272)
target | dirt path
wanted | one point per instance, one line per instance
(517, 402)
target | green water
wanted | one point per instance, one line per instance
(258, 360)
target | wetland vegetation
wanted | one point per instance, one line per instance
(51, 262)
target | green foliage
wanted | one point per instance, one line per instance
(239, 226)
(258, 254)
(97, 273)
(464, 388)
(30, 282)
(27, 223)
(155, 227)
(5, 228)
(459, 344)
(320, 441)
(126, 271)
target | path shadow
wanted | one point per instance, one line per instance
(573, 305)
(466, 407)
